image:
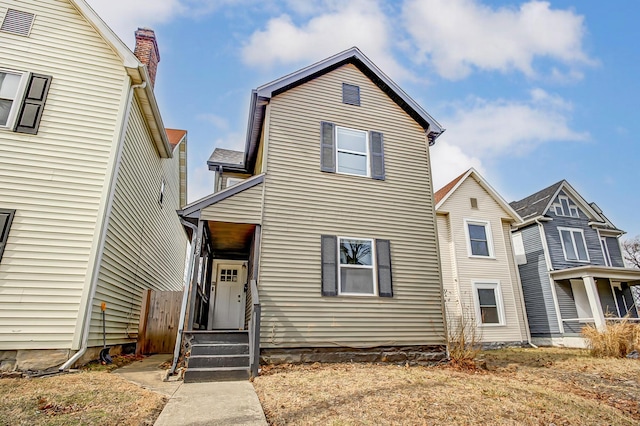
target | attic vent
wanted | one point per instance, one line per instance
(350, 94)
(474, 203)
(17, 22)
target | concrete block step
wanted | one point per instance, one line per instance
(212, 361)
(220, 349)
(218, 336)
(220, 374)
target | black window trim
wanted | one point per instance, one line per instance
(4, 233)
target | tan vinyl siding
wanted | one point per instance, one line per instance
(449, 272)
(145, 242)
(515, 280)
(471, 270)
(244, 207)
(302, 203)
(55, 180)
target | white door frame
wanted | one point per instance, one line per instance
(242, 279)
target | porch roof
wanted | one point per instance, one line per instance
(629, 275)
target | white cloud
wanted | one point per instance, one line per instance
(458, 36)
(487, 129)
(449, 161)
(125, 16)
(218, 122)
(481, 131)
(358, 23)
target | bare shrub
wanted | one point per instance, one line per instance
(464, 336)
(616, 340)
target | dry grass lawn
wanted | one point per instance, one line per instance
(519, 386)
(90, 397)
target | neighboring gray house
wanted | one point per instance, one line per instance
(571, 265)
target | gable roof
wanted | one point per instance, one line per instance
(443, 194)
(261, 96)
(537, 204)
(227, 158)
(175, 136)
(138, 73)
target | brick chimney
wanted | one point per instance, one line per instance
(147, 51)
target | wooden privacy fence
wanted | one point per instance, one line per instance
(159, 320)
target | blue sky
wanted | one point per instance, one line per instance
(530, 92)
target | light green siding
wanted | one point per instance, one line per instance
(56, 180)
(302, 203)
(145, 244)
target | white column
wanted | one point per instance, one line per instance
(594, 301)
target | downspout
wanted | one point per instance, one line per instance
(103, 233)
(185, 296)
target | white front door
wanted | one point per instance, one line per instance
(228, 313)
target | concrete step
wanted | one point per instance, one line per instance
(220, 349)
(212, 361)
(218, 336)
(219, 374)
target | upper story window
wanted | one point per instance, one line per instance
(6, 217)
(22, 99)
(233, 181)
(161, 197)
(573, 244)
(352, 151)
(12, 86)
(605, 251)
(479, 238)
(565, 208)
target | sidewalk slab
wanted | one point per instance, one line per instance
(215, 403)
(146, 373)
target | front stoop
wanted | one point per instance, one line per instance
(217, 356)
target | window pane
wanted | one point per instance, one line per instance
(487, 297)
(479, 248)
(9, 85)
(565, 206)
(355, 252)
(574, 212)
(490, 315)
(356, 280)
(582, 250)
(5, 108)
(353, 140)
(605, 250)
(568, 245)
(4, 218)
(559, 210)
(352, 163)
(477, 232)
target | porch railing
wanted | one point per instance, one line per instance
(254, 329)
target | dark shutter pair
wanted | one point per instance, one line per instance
(6, 217)
(32, 106)
(328, 151)
(329, 260)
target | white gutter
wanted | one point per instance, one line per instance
(185, 296)
(103, 234)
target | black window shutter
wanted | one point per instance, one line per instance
(376, 149)
(383, 255)
(32, 106)
(329, 256)
(6, 217)
(327, 147)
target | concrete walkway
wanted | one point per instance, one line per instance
(195, 404)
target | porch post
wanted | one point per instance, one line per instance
(594, 301)
(194, 273)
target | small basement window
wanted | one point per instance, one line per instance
(350, 94)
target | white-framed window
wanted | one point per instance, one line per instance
(12, 86)
(573, 244)
(479, 241)
(352, 151)
(161, 197)
(564, 208)
(356, 267)
(233, 181)
(605, 251)
(488, 302)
